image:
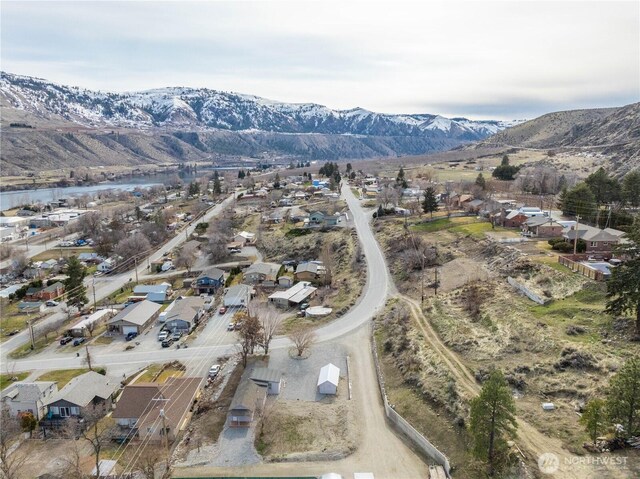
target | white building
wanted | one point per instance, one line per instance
(328, 379)
(294, 296)
(237, 296)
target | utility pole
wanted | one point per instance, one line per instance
(93, 285)
(164, 430)
(31, 335)
(575, 239)
(135, 262)
(435, 285)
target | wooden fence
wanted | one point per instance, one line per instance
(583, 269)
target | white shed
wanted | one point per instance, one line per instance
(328, 379)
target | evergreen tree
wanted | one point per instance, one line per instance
(631, 188)
(623, 398)
(505, 171)
(579, 200)
(562, 183)
(400, 179)
(74, 284)
(623, 287)
(276, 181)
(593, 418)
(605, 189)
(194, 189)
(493, 421)
(480, 181)
(241, 174)
(352, 175)
(217, 187)
(349, 168)
(430, 203)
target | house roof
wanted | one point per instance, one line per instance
(53, 288)
(246, 396)
(138, 313)
(180, 393)
(27, 391)
(97, 316)
(106, 466)
(589, 233)
(214, 273)
(135, 399)
(475, 203)
(246, 235)
(82, 389)
(266, 375)
(296, 293)
(268, 269)
(151, 288)
(185, 308)
(541, 220)
(513, 214)
(30, 304)
(307, 267)
(329, 373)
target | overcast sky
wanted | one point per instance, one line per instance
(479, 59)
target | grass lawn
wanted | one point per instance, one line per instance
(56, 253)
(62, 376)
(153, 374)
(103, 340)
(447, 223)
(5, 379)
(476, 230)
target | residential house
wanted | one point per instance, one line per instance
(514, 219)
(543, 226)
(294, 296)
(49, 265)
(52, 291)
(158, 293)
(473, 206)
(237, 296)
(88, 324)
(140, 408)
(134, 318)
(185, 313)
(245, 238)
(33, 273)
(23, 397)
(209, 281)
(93, 258)
(247, 404)
(285, 281)
(106, 469)
(107, 265)
(597, 240)
(83, 394)
(265, 274)
(458, 201)
(311, 271)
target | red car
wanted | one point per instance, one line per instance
(222, 310)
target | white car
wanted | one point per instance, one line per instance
(214, 370)
(51, 303)
(164, 334)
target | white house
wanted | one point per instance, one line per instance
(107, 265)
(328, 379)
(22, 397)
(295, 295)
(244, 237)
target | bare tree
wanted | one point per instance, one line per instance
(387, 196)
(90, 223)
(71, 466)
(302, 339)
(132, 246)
(269, 319)
(96, 431)
(326, 256)
(11, 457)
(6, 251)
(250, 335)
(19, 262)
(187, 257)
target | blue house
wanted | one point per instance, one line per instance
(209, 281)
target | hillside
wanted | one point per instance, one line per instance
(613, 132)
(70, 125)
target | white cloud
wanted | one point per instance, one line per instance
(480, 58)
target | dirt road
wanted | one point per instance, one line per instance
(532, 443)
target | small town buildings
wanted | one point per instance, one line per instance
(134, 318)
(265, 274)
(597, 240)
(247, 404)
(184, 314)
(209, 281)
(311, 271)
(82, 394)
(140, 407)
(88, 324)
(285, 281)
(107, 265)
(322, 218)
(268, 378)
(294, 296)
(157, 293)
(106, 469)
(93, 258)
(458, 201)
(514, 219)
(28, 397)
(328, 379)
(245, 238)
(52, 291)
(238, 295)
(543, 226)
(31, 307)
(473, 206)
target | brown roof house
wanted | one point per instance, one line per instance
(312, 271)
(265, 274)
(543, 226)
(143, 408)
(598, 241)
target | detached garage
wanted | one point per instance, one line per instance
(135, 318)
(328, 379)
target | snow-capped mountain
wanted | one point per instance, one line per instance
(204, 109)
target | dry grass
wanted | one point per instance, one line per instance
(7, 379)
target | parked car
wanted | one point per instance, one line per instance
(167, 342)
(78, 341)
(176, 335)
(51, 303)
(231, 326)
(214, 370)
(164, 334)
(235, 250)
(222, 310)
(130, 336)
(304, 306)
(65, 340)
(13, 333)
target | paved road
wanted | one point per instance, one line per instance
(36, 244)
(105, 286)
